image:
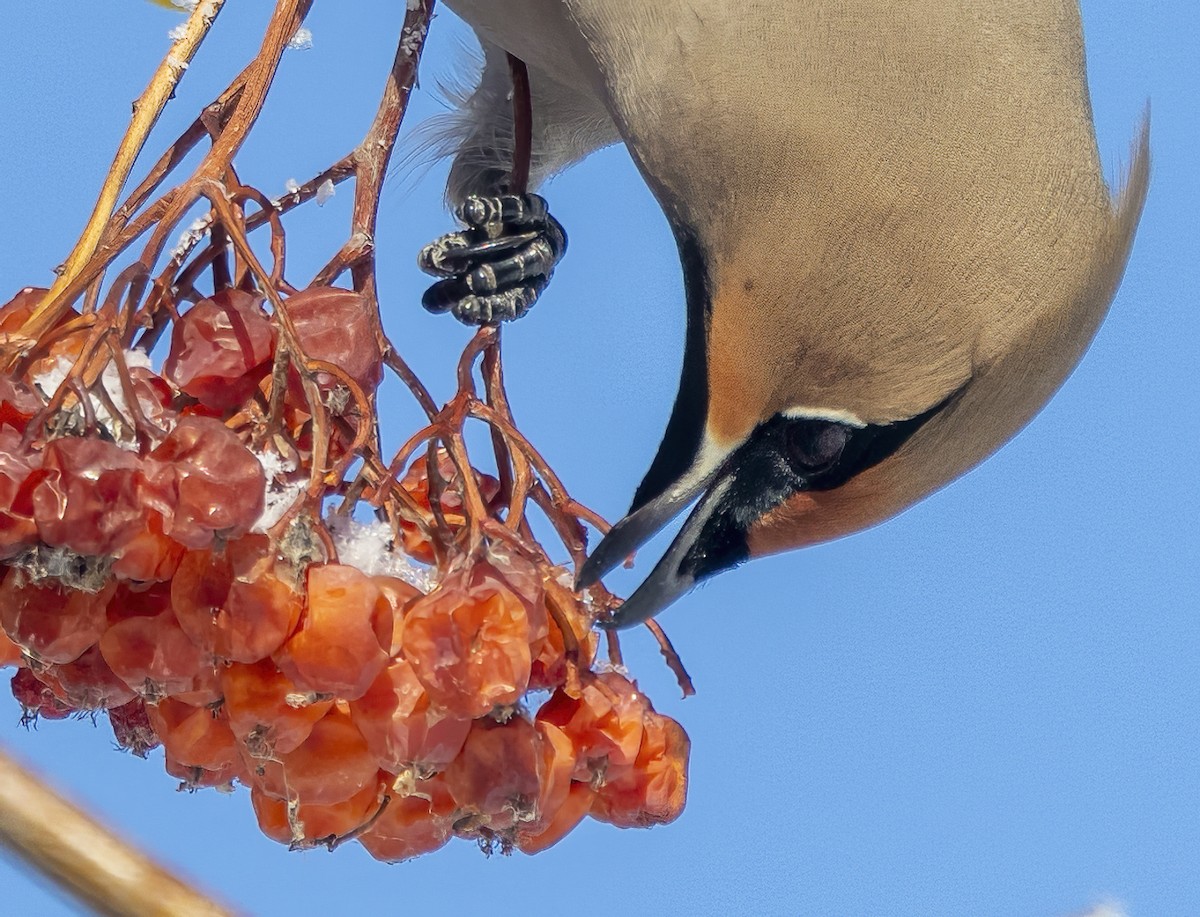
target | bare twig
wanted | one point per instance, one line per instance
(81, 855)
(146, 112)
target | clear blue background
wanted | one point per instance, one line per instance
(988, 706)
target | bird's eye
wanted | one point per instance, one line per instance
(815, 445)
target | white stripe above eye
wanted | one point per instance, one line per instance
(837, 415)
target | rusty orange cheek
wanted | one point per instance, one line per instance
(809, 518)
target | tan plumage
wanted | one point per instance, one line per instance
(880, 206)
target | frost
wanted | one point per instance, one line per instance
(178, 32)
(118, 426)
(189, 237)
(414, 5)
(371, 547)
(411, 40)
(292, 186)
(324, 192)
(280, 493)
(186, 4)
(176, 62)
(302, 40)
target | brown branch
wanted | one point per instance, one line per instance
(146, 112)
(82, 856)
(672, 657)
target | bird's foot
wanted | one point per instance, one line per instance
(495, 269)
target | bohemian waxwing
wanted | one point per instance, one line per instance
(896, 239)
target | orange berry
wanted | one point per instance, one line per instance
(329, 767)
(156, 659)
(652, 790)
(87, 683)
(344, 636)
(412, 825)
(562, 822)
(311, 824)
(402, 729)
(468, 641)
(149, 555)
(495, 776)
(267, 712)
(10, 653)
(194, 736)
(604, 722)
(197, 778)
(399, 595)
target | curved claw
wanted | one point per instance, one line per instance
(496, 269)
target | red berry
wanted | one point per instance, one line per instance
(36, 699)
(87, 683)
(204, 481)
(52, 624)
(156, 659)
(17, 479)
(336, 326)
(87, 499)
(131, 728)
(220, 349)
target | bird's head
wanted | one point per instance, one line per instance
(824, 393)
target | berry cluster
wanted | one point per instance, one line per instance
(169, 557)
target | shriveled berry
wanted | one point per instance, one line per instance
(87, 683)
(18, 530)
(468, 641)
(86, 499)
(604, 722)
(337, 326)
(52, 624)
(194, 736)
(220, 349)
(652, 790)
(207, 480)
(344, 635)
(412, 825)
(267, 712)
(36, 699)
(402, 728)
(308, 825)
(131, 728)
(156, 659)
(495, 777)
(329, 767)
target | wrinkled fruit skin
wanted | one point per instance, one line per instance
(140, 581)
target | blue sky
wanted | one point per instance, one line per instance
(987, 706)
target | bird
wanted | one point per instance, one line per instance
(894, 230)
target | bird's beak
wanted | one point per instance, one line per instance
(711, 540)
